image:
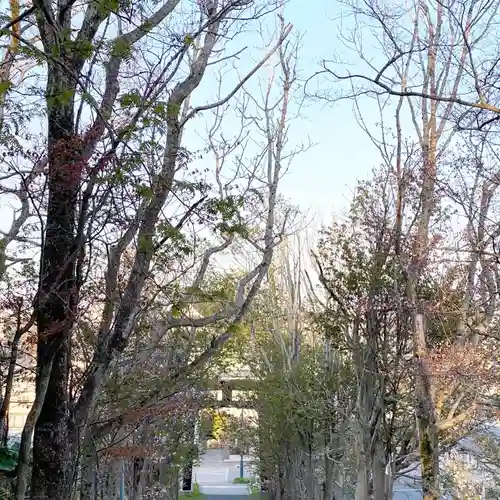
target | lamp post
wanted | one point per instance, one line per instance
(122, 481)
(241, 446)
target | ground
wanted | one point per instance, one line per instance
(215, 477)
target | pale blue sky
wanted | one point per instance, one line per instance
(321, 179)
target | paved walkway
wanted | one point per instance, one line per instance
(226, 496)
(215, 477)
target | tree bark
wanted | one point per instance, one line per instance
(187, 473)
(88, 470)
(329, 486)
(362, 480)
(9, 382)
(380, 478)
(54, 308)
(22, 469)
(424, 406)
(426, 415)
(425, 411)
(187, 476)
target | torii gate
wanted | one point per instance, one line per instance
(227, 384)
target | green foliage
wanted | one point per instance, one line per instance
(243, 480)
(147, 26)
(8, 458)
(31, 54)
(295, 401)
(106, 6)
(145, 244)
(173, 110)
(130, 99)
(6, 488)
(255, 492)
(159, 109)
(5, 86)
(235, 328)
(144, 192)
(62, 98)
(227, 212)
(176, 311)
(82, 49)
(121, 48)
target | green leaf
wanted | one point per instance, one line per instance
(235, 329)
(131, 99)
(144, 192)
(159, 109)
(171, 232)
(82, 49)
(121, 48)
(88, 98)
(173, 109)
(176, 312)
(65, 96)
(145, 244)
(147, 26)
(106, 6)
(5, 86)
(8, 458)
(118, 175)
(127, 131)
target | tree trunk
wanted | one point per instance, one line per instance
(145, 478)
(54, 308)
(329, 486)
(187, 476)
(339, 486)
(424, 406)
(426, 416)
(9, 382)
(141, 468)
(368, 401)
(308, 463)
(380, 478)
(362, 481)
(27, 435)
(88, 470)
(50, 444)
(309, 478)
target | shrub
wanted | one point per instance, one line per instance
(242, 480)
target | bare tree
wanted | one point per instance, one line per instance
(456, 36)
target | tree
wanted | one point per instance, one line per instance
(419, 48)
(429, 34)
(104, 204)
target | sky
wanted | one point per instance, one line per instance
(321, 179)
